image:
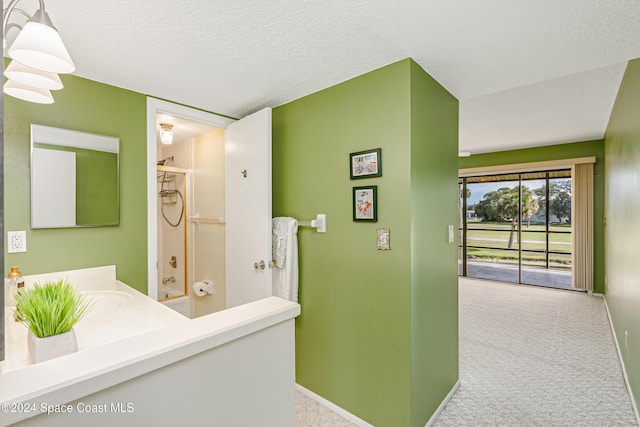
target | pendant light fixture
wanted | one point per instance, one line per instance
(38, 55)
(28, 93)
(32, 77)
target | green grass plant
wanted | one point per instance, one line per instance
(52, 308)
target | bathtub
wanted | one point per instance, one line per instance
(182, 305)
(167, 292)
(175, 300)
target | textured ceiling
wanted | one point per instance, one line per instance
(566, 109)
(236, 57)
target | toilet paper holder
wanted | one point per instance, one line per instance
(203, 288)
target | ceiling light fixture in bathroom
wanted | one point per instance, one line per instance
(166, 133)
(38, 55)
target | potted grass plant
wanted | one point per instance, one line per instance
(50, 311)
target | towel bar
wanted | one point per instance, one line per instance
(320, 223)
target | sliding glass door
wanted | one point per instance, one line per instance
(517, 228)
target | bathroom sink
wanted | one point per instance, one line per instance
(106, 303)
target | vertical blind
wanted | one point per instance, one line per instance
(582, 219)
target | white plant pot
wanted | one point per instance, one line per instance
(41, 349)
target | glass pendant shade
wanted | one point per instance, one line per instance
(166, 133)
(27, 93)
(39, 46)
(32, 77)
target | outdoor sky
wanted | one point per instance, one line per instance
(478, 190)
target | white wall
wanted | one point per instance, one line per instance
(248, 382)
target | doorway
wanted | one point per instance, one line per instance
(517, 228)
(185, 245)
(245, 214)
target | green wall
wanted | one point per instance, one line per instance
(354, 339)
(96, 187)
(92, 107)
(622, 210)
(558, 152)
(434, 261)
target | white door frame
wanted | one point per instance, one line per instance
(155, 106)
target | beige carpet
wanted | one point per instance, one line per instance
(310, 413)
(535, 357)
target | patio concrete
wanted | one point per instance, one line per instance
(552, 278)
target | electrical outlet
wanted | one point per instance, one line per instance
(16, 241)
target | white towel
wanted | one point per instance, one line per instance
(279, 239)
(285, 256)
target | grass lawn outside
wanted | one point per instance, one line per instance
(495, 237)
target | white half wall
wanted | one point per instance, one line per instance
(247, 382)
(231, 368)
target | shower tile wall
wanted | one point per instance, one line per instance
(205, 196)
(182, 153)
(171, 240)
(209, 202)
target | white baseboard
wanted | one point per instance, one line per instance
(444, 402)
(335, 408)
(362, 423)
(624, 370)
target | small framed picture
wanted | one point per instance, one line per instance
(365, 203)
(366, 164)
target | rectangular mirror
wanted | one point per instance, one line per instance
(74, 178)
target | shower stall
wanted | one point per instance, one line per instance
(173, 272)
(190, 222)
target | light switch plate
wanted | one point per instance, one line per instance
(16, 241)
(451, 236)
(384, 239)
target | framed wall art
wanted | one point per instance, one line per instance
(365, 203)
(366, 164)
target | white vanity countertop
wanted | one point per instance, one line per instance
(133, 313)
